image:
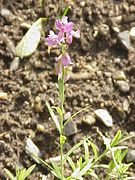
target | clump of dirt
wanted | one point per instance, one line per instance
(97, 56)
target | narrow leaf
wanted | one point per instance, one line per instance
(116, 138)
(94, 148)
(29, 170)
(53, 117)
(71, 163)
(31, 39)
(86, 148)
(56, 170)
(86, 168)
(69, 119)
(59, 111)
(9, 174)
(22, 174)
(76, 146)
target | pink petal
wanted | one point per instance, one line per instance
(64, 20)
(66, 60)
(76, 34)
(69, 39)
(58, 24)
(69, 27)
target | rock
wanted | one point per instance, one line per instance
(67, 115)
(107, 74)
(15, 64)
(5, 12)
(125, 105)
(123, 86)
(70, 128)
(3, 96)
(37, 104)
(104, 116)
(132, 33)
(82, 3)
(31, 149)
(131, 156)
(116, 29)
(40, 128)
(119, 75)
(89, 119)
(124, 38)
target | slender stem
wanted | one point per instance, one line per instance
(62, 165)
(61, 124)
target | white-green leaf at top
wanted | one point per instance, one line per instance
(31, 39)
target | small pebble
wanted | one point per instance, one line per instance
(37, 104)
(89, 119)
(31, 149)
(70, 128)
(5, 12)
(40, 128)
(123, 86)
(82, 3)
(67, 115)
(125, 105)
(116, 29)
(3, 96)
(15, 64)
(131, 156)
(124, 38)
(132, 33)
(104, 116)
(119, 75)
(25, 25)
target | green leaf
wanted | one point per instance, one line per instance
(123, 154)
(31, 39)
(56, 170)
(65, 11)
(74, 148)
(21, 174)
(93, 174)
(116, 138)
(9, 174)
(54, 117)
(72, 164)
(43, 162)
(80, 163)
(86, 168)
(94, 148)
(59, 111)
(29, 170)
(86, 148)
(69, 119)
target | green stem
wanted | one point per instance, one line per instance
(62, 165)
(61, 95)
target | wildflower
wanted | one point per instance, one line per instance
(65, 34)
(63, 25)
(53, 39)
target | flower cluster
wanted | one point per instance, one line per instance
(64, 35)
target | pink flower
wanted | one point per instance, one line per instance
(69, 39)
(63, 25)
(66, 60)
(63, 60)
(53, 39)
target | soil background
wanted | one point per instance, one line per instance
(98, 57)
